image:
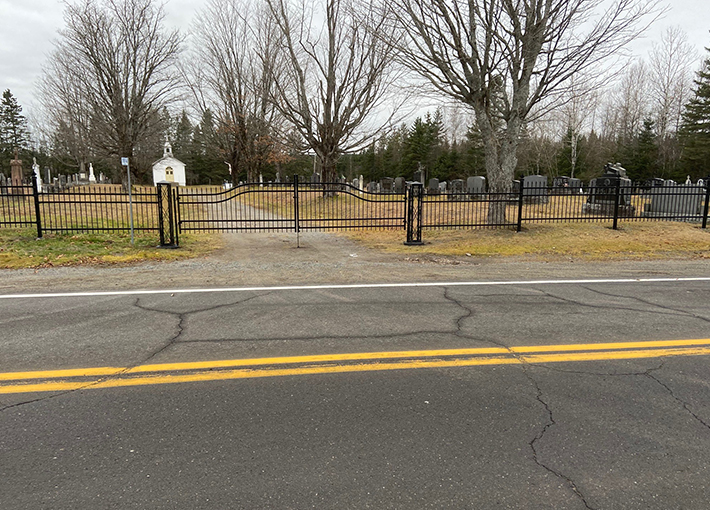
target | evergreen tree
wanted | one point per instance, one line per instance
(13, 129)
(182, 137)
(695, 129)
(422, 145)
(642, 161)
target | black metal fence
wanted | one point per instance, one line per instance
(296, 207)
(287, 207)
(92, 208)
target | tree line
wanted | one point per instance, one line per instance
(284, 86)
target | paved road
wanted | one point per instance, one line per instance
(500, 416)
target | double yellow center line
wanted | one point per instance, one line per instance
(170, 373)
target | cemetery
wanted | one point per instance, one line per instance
(85, 203)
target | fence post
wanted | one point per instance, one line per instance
(296, 218)
(35, 195)
(166, 216)
(707, 203)
(413, 214)
(520, 204)
(616, 203)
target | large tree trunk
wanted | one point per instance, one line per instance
(329, 176)
(500, 161)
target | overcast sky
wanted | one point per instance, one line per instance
(29, 27)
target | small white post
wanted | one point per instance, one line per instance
(124, 162)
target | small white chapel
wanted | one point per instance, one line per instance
(168, 168)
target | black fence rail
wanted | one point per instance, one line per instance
(92, 208)
(99, 208)
(297, 207)
(615, 203)
(288, 207)
(17, 206)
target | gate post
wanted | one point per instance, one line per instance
(413, 214)
(296, 222)
(35, 195)
(616, 203)
(521, 202)
(167, 215)
(707, 203)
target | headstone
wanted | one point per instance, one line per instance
(575, 185)
(433, 188)
(16, 175)
(399, 185)
(456, 190)
(92, 177)
(476, 187)
(442, 187)
(356, 183)
(315, 179)
(47, 175)
(36, 173)
(602, 193)
(261, 180)
(372, 187)
(419, 174)
(387, 185)
(673, 200)
(361, 182)
(3, 184)
(535, 189)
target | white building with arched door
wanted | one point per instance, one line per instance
(168, 168)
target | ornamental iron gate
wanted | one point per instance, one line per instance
(278, 207)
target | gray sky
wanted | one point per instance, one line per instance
(30, 26)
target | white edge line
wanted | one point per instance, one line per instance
(346, 286)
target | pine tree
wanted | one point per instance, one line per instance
(695, 129)
(13, 125)
(642, 161)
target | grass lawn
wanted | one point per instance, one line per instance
(20, 249)
(558, 241)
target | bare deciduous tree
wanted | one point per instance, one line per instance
(671, 71)
(120, 57)
(671, 77)
(66, 110)
(504, 58)
(336, 76)
(232, 74)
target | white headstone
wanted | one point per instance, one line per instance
(38, 178)
(92, 177)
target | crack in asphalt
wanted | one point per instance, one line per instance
(180, 329)
(668, 311)
(181, 316)
(539, 397)
(682, 402)
(678, 311)
(592, 373)
(322, 337)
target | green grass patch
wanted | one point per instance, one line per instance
(20, 249)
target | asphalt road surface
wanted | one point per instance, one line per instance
(528, 395)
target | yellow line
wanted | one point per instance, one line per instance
(332, 369)
(286, 360)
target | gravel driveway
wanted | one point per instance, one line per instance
(275, 259)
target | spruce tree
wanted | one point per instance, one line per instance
(695, 130)
(13, 125)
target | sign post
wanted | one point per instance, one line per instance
(124, 162)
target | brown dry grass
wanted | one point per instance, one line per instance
(558, 241)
